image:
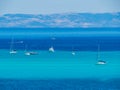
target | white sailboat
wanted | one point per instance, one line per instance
(99, 61)
(28, 53)
(51, 49)
(12, 51)
(73, 53)
(31, 53)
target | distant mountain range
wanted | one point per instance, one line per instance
(68, 20)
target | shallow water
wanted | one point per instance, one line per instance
(61, 64)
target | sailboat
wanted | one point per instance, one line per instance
(31, 53)
(28, 53)
(12, 51)
(73, 52)
(51, 49)
(99, 61)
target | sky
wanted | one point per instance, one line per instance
(58, 6)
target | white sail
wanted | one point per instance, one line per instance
(51, 49)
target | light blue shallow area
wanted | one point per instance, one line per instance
(60, 64)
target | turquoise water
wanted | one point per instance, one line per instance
(60, 70)
(61, 64)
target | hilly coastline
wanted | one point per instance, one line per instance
(64, 20)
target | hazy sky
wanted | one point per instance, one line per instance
(58, 6)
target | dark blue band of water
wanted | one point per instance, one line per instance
(64, 84)
(85, 39)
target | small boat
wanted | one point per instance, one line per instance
(31, 53)
(28, 53)
(101, 62)
(73, 53)
(12, 51)
(51, 49)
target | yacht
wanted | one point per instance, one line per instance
(28, 53)
(99, 61)
(12, 51)
(73, 53)
(51, 49)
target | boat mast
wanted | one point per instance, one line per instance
(98, 52)
(26, 47)
(11, 44)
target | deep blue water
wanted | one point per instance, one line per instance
(64, 84)
(85, 39)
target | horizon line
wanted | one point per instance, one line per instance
(64, 13)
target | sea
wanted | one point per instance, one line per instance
(61, 69)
